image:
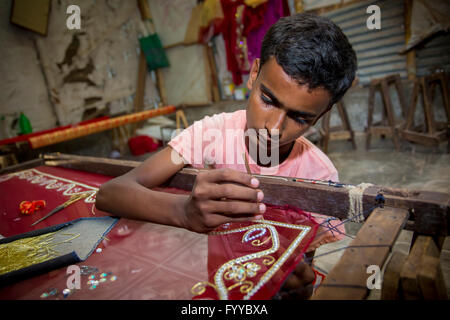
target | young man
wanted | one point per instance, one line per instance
(306, 65)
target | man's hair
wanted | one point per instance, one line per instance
(312, 50)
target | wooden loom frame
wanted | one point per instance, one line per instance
(424, 212)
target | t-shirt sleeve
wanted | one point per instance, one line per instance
(190, 142)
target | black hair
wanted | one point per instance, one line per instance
(312, 50)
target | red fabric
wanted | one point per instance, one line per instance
(140, 145)
(151, 261)
(52, 185)
(223, 248)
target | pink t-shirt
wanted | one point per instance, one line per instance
(219, 142)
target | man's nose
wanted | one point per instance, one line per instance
(275, 124)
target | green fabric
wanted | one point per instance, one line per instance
(154, 52)
(24, 124)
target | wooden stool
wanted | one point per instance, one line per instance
(344, 132)
(431, 133)
(388, 124)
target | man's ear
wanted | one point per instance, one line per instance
(253, 74)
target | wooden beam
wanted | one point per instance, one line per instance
(430, 210)
(431, 280)
(391, 288)
(23, 166)
(423, 246)
(348, 279)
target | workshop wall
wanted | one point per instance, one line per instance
(69, 76)
(23, 84)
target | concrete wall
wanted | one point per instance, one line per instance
(22, 83)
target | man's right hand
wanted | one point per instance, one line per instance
(221, 196)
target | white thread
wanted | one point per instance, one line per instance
(355, 195)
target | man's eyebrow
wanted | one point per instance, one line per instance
(276, 102)
(272, 97)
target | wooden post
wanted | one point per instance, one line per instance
(146, 16)
(298, 6)
(423, 246)
(391, 288)
(392, 125)
(140, 88)
(336, 133)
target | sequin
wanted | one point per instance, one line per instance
(87, 270)
(103, 279)
(98, 250)
(104, 274)
(113, 278)
(44, 295)
(92, 287)
(53, 292)
(92, 276)
(66, 292)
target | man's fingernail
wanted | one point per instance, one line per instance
(262, 207)
(254, 182)
(260, 195)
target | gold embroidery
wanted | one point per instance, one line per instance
(26, 252)
(200, 287)
(268, 260)
(248, 288)
(35, 176)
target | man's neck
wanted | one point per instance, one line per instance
(283, 153)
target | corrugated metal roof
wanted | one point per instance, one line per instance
(376, 50)
(435, 54)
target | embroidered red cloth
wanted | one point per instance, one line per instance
(252, 260)
(248, 260)
(52, 185)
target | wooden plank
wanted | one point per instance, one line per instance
(22, 166)
(424, 245)
(340, 135)
(427, 139)
(391, 289)
(445, 263)
(431, 209)
(431, 281)
(348, 279)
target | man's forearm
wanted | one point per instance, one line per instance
(131, 200)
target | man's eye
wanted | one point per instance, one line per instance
(301, 121)
(266, 100)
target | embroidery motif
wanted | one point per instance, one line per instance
(68, 187)
(248, 266)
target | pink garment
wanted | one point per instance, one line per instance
(274, 11)
(219, 141)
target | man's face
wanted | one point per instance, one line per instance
(278, 102)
